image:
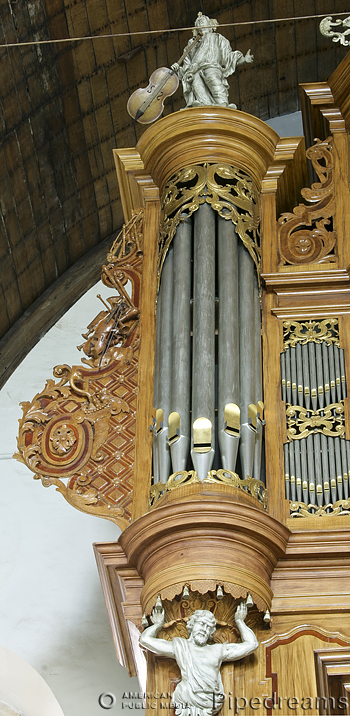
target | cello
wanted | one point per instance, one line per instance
(146, 104)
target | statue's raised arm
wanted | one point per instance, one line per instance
(205, 69)
(200, 689)
(148, 638)
(249, 641)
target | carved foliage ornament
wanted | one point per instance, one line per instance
(310, 331)
(301, 509)
(82, 427)
(299, 244)
(229, 191)
(302, 422)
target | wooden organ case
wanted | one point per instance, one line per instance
(228, 473)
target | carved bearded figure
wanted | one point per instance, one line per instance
(205, 69)
(200, 691)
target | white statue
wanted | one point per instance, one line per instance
(200, 691)
(205, 69)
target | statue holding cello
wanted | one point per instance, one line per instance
(207, 61)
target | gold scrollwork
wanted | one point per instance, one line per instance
(301, 509)
(310, 331)
(225, 477)
(298, 244)
(229, 191)
(329, 420)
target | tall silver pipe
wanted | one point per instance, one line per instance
(165, 344)
(286, 470)
(246, 359)
(324, 446)
(336, 352)
(339, 469)
(297, 464)
(258, 384)
(344, 461)
(179, 427)
(203, 364)
(303, 445)
(342, 368)
(331, 364)
(155, 397)
(283, 377)
(228, 344)
(316, 438)
(292, 471)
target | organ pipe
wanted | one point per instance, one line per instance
(246, 359)
(165, 365)
(203, 364)
(228, 344)
(179, 435)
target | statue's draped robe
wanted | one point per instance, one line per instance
(200, 691)
(212, 54)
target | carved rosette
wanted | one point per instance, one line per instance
(78, 433)
(229, 191)
(299, 244)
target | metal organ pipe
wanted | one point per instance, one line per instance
(228, 344)
(179, 424)
(203, 363)
(258, 383)
(165, 365)
(246, 360)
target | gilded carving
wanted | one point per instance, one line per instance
(302, 422)
(179, 610)
(301, 509)
(229, 191)
(78, 433)
(297, 243)
(310, 331)
(225, 477)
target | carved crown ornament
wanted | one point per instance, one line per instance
(78, 432)
(299, 244)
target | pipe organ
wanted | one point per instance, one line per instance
(208, 387)
(210, 416)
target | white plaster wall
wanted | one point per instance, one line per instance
(23, 690)
(52, 611)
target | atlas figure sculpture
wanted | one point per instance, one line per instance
(206, 67)
(200, 691)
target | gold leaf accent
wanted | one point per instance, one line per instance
(229, 191)
(329, 420)
(301, 509)
(255, 487)
(310, 331)
(298, 244)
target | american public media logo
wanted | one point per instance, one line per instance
(281, 705)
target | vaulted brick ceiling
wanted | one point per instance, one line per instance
(63, 110)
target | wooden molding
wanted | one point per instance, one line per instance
(217, 538)
(215, 134)
(135, 183)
